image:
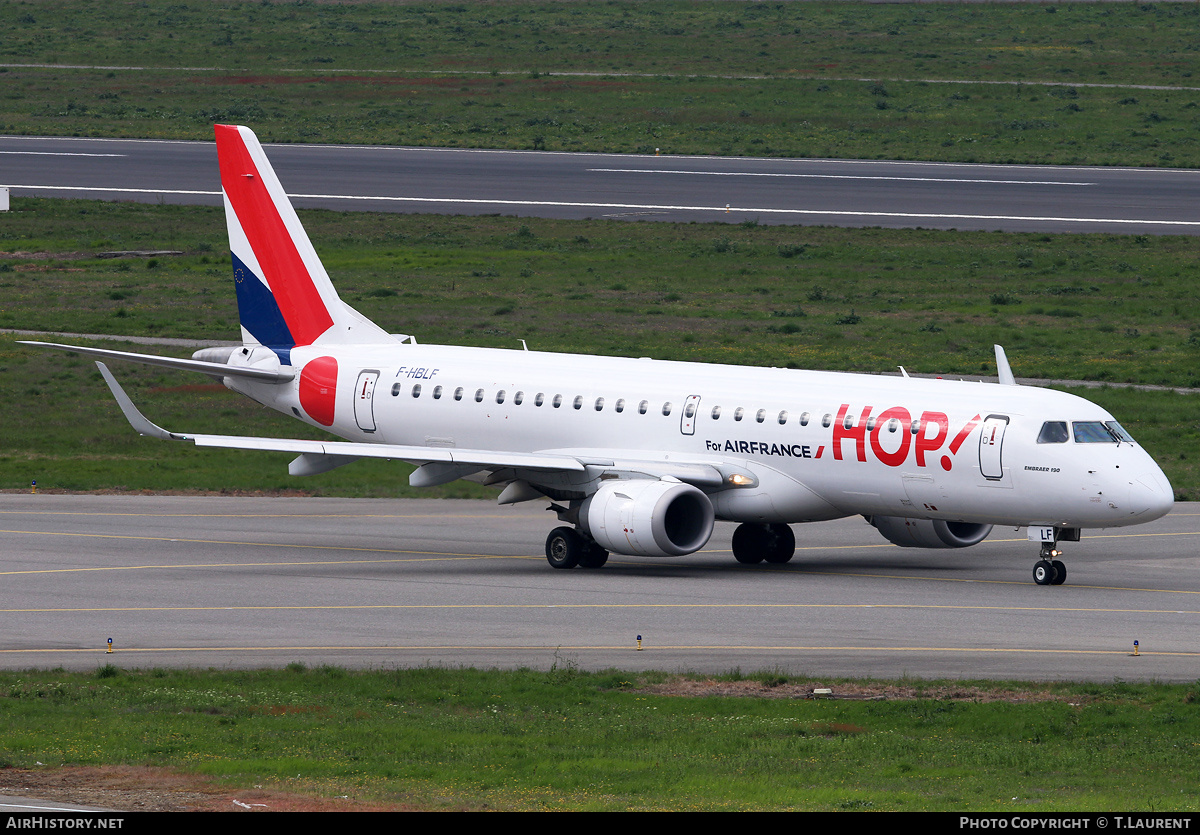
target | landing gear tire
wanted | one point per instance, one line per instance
(565, 547)
(593, 556)
(1060, 573)
(755, 543)
(781, 544)
(1046, 574)
(749, 543)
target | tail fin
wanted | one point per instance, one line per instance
(285, 297)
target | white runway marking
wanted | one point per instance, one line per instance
(649, 207)
(59, 154)
(836, 177)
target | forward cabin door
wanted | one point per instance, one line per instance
(364, 400)
(991, 447)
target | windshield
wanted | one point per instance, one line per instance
(1100, 432)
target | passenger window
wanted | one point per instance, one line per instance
(689, 410)
(783, 417)
(599, 404)
(667, 408)
(417, 390)
(738, 413)
(915, 427)
(557, 401)
(518, 398)
(437, 392)
(458, 393)
(1054, 432)
(395, 390)
(539, 399)
(871, 424)
(827, 420)
(716, 412)
(804, 419)
(893, 425)
(479, 395)
(578, 404)
(620, 407)
(500, 396)
(761, 416)
(643, 406)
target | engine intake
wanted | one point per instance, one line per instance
(648, 518)
(929, 533)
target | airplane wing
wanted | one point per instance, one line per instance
(437, 465)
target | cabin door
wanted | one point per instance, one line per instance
(991, 447)
(364, 400)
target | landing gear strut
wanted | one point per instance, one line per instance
(567, 548)
(755, 543)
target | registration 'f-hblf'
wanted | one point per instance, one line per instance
(640, 457)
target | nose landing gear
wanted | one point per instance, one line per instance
(1048, 571)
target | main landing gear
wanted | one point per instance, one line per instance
(756, 543)
(1048, 571)
(567, 548)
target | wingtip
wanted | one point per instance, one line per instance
(137, 420)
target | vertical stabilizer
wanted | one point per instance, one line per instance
(285, 297)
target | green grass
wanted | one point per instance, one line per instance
(563, 739)
(793, 79)
(1109, 308)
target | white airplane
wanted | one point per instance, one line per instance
(640, 457)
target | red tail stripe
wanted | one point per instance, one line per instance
(283, 267)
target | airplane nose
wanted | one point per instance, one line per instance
(1151, 496)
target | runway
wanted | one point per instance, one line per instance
(235, 582)
(627, 186)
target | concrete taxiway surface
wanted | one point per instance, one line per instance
(252, 582)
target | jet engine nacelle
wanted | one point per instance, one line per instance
(648, 518)
(929, 533)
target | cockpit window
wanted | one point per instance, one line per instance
(1118, 430)
(1054, 432)
(1094, 432)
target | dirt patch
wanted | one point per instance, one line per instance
(47, 256)
(133, 789)
(766, 689)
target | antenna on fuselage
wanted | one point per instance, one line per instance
(1003, 369)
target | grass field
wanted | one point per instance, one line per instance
(908, 81)
(1097, 307)
(565, 740)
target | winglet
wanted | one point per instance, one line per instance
(136, 419)
(1002, 368)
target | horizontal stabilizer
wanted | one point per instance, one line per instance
(215, 369)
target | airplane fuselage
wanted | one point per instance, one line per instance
(821, 444)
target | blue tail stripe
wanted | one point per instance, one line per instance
(258, 311)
